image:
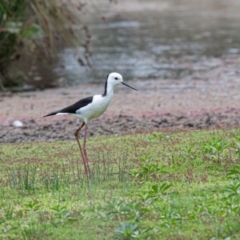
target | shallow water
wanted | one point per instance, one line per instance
(156, 40)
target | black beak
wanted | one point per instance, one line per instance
(129, 86)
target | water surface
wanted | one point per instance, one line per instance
(156, 39)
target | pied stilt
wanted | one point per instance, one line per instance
(90, 108)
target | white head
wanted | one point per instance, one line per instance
(113, 80)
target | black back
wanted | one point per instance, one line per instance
(74, 107)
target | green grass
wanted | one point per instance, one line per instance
(147, 186)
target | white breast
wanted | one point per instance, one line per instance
(95, 109)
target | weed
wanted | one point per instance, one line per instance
(237, 146)
(156, 137)
(32, 205)
(148, 168)
(126, 231)
(23, 177)
(214, 148)
(153, 191)
(121, 210)
(233, 189)
(234, 173)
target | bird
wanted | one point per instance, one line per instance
(89, 108)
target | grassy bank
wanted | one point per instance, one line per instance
(146, 186)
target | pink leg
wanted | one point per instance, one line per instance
(84, 148)
(83, 157)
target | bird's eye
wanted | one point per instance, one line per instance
(116, 78)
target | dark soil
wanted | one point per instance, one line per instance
(63, 129)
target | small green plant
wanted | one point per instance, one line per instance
(156, 137)
(237, 146)
(148, 168)
(154, 191)
(233, 189)
(234, 173)
(32, 205)
(121, 210)
(127, 231)
(61, 214)
(189, 151)
(214, 148)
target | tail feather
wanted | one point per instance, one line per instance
(51, 114)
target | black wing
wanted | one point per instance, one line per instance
(74, 107)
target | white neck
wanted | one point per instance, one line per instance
(109, 89)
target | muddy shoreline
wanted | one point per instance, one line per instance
(63, 129)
